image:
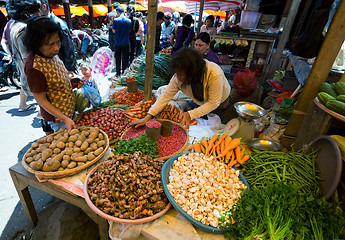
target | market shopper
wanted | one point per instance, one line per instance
(139, 36)
(168, 27)
(203, 46)
(110, 20)
(83, 41)
(201, 80)
(46, 74)
(132, 32)
(160, 17)
(183, 35)
(208, 26)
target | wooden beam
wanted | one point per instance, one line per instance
(67, 10)
(201, 10)
(91, 18)
(150, 47)
(321, 67)
(283, 39)
(110, 8)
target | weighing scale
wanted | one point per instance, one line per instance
(244, 126)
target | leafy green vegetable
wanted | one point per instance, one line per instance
(280, 211)
(141, 143)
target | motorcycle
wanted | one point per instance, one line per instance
(8, 71)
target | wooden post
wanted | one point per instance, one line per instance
(150, 47)
(91, 18)
(201, 10)
(320, 70)
(67, 10)
(283, 39)
(110, 8)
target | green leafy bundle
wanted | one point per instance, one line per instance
(141, 143)
(280, 211)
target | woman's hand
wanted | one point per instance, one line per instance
(69, 124)
(140, 122)
(185, 120)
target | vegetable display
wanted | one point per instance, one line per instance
(223, 148)
(333, 96)
(128, 98)
(81, 101)
(110, 120)
(264, 167)
(128, 186)
(171, 112)
(141, 143)
(139, 110)
(280, 211)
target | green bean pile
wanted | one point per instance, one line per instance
(264, 167)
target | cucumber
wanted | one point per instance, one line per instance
(339, 88)
(84, 104)
(324, 97)
(341, 98)
(78, 101)
(336, 106)
(327, 88)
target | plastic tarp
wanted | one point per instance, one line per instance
(174, 6)
(98, 10)
(193, 6)
(3, 10)
(58, 10)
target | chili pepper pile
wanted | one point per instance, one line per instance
(125, 97)
(130, 79)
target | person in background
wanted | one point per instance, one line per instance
(21, 11)
(83, 40)
(6, 40)
(139, 36)
(201, 80)
(176, 19)
(208, 26)
(109, 21)
(46, 74)
(202, 45)
(168, 27)
(144, 19)
(87, 78)
(132, 31)
(182, 35)
(232, 19)
(218, 22)
(76, 22)
(160, 19)
(121, 28)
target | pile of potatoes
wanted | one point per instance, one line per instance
(65, 150)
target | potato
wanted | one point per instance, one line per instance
(31, 153)
(81, 159)
(46, 154)
(66, 157)
(42, 140)
(87, 150)
(64, 163)
(89, 140)
(34, 145)
(70, 144)
(64, 139)
(52, 146)
(71, 165)
(41, 148)
(58, 158)
(50, 139)
(54, 142)
(97, 140)
(68, 152)
(101, 143)
(60, 169)
(75, 155)
(81, 163)
(58, 136)
(99, 151)
(84, 128)
(51, 165)
(84, 146)
(93, 135)
(76, 149)
(82, 137)
(78, 143)
(36, 165)
(29, 159)
(72, 138)
(100, 136)
(85, 133)
(38, 157)
(94, 146)
(56, 150)
(74, 131)
(60, 145)
(90, 156)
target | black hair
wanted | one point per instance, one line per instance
(160, 15)
(190, 62)
(22, 9)
(120, 9)
(130, 9)
(205, 37)
(210, 17)
(138, 14)
(38, 30)
(116, 5)
(187, 20)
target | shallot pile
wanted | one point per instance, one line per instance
(128, 186)
(111, 121)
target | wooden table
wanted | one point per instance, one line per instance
(22, 179)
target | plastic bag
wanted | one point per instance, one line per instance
(103, 85)
(92, 94)
(245, 82)
(102, 61)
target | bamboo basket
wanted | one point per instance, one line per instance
(174, 154)
(67, 172)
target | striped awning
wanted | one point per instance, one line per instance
(193, 6)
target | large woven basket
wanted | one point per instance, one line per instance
(177, 152)
(67, 172)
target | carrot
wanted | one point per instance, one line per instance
(193, 123)
(227, 141)
(204, 143)
(222, 146)
(237, 165)
(245, 158)
(211, 143)
(233, 144)
(220, 140)
(232, 156)
(196, 147)
(228, 156)
(237, 152)
(232, 163)
(202, 148)
(217, 150)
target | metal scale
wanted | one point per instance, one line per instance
(244, 126)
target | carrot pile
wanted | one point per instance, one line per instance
(171, 112)
(138, 110)
(223, 148)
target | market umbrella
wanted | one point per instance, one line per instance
(3, 10)
(216, 13)
(137, 7)
(175, 6)
(58, 10)
(98, 10)
(193, 6)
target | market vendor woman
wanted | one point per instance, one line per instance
(46, 74)
(201, 80)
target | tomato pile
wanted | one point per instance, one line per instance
(128, 98)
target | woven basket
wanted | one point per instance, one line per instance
(67, 172)
(177, 152)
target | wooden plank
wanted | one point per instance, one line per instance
(150, 47)
(201, 10)
(110, 8)
(283, 38)
(321, 67)
(91, 18)
(66, 7)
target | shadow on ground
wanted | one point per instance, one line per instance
(6, 96)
